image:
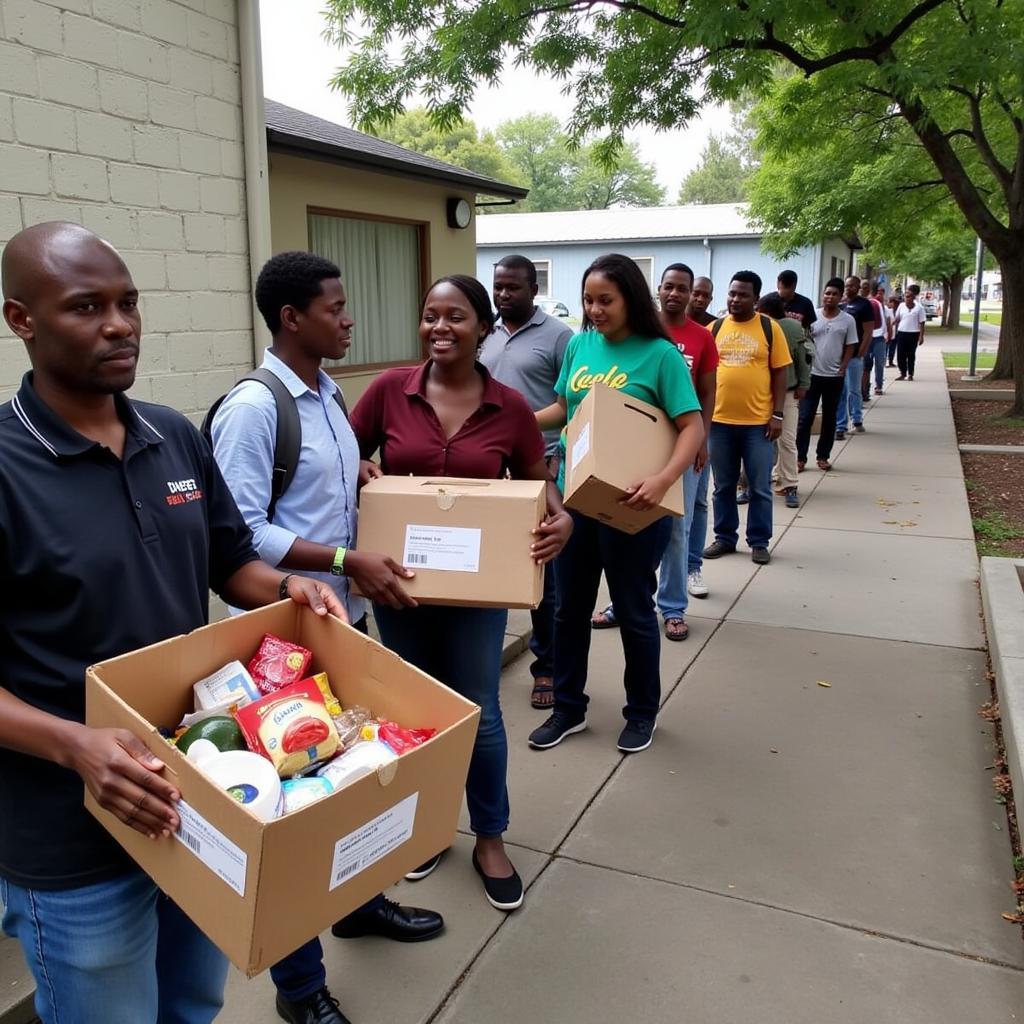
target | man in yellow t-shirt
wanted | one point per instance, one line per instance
(750, 399)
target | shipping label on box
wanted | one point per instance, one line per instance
(468, 541)
(613, 442)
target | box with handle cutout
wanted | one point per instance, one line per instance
(468, 541)
(613, 442)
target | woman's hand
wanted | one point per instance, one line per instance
(368, 471)
(378, 576)
(552, 535)
(648, 493)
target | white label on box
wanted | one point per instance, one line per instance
(580, 448)
(450, 548)
(212, 847)
(376, 839)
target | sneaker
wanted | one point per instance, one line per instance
(859, 428)
(792, 501)
(717, 549)
(636, 735)
(696, 586)
(840, 435)
(418, 874)
(554, 730)
(879, 391)
(742, 496)
(901, 377)
(760, 556)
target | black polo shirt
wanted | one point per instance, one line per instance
(98, 556)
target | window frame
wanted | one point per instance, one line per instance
(549, 264)
(423, 233)
(650, 280)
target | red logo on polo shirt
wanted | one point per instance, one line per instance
(182, 492)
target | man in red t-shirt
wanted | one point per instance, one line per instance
(681, 564)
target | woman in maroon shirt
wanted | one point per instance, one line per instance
(449, 417)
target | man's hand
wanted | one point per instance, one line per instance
(773, 429)
(920, 341)
(647, 494)
(702, 458)
(122, 774)
(554, 533)
(377, 576)
(799, 393)
(318, 596)
(368, 471)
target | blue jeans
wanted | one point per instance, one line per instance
(699, 522)
(732, 446)
(850, 404)
(462, 648)
(630, 564)
(673, 597)
(119, 952)
(875, 359)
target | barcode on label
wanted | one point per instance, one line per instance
(343, 873)
(190, 840)
(416, 559)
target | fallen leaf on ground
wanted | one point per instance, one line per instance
(772, 750)
(1014, 918)
(821, 682)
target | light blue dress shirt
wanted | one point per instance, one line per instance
(320, 503)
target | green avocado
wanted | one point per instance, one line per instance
(221, 730)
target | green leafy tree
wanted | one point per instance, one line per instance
(950, 70)
(629, 181)
(535, 145)
(720, 178)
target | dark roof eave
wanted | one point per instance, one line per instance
(287, 142)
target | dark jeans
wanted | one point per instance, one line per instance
(542, 643)
(462, 648)
(890, 350)
(731, 447)
(906, 352)
(630, 564)
(827, 391)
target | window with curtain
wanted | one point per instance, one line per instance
(380, 268)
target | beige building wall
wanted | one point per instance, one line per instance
(298, 184)
(838, 249)
(125, 116)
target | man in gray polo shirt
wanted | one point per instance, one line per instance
(525, 352)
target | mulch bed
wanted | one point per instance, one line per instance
(953, 377)
(977, 423)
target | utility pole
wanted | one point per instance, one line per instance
(972, 372)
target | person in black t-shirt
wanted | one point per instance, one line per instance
(114, 525)
(798, 307)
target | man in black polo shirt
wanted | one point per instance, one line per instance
(114, 525)
(798, 307)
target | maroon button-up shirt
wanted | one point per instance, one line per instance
(394, 417)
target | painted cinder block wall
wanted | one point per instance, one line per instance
(125, 116)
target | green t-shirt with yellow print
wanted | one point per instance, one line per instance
(650, 369)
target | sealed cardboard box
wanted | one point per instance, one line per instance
(613, 442)
(259, 890)
(468, 541)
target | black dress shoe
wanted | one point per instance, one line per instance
(391, 921)
(320, 1008)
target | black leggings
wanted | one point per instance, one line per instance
(906, 351)
(827, 391)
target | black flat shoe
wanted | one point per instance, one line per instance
(501, 893)
(391, 921)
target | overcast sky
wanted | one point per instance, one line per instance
(297, 65)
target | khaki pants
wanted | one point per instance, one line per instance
(785, 464)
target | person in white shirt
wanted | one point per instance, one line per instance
(910, 321)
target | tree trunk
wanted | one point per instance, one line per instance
(1010, 354)
(945, 302)
(951, 311)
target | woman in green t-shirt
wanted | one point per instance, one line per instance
(622, 345)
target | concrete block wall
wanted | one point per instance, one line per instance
(125, 116)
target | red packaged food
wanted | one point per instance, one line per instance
(278, 663)
(291, 727)
(402, 740)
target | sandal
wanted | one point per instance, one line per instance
(801, 466)
(676, 629)
(824, 465)
(604, 619)
(543, 687)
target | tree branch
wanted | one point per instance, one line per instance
(999, 171)
(920, 184)
(621, 5)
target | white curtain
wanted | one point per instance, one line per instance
(380, 269)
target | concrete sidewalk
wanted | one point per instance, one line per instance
(785, 852)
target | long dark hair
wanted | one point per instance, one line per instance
(641, 315)
(474, 291)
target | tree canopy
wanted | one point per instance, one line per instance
(720, 177)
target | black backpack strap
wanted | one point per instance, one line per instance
(340, 399)
(716, 327)
(766, 326)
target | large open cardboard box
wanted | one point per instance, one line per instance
(258, 889)
(613, 442)
(468, 541)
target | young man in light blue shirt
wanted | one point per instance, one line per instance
(313, 530)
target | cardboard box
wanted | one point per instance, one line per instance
(259, 890)
(468, 541)
(614, 441)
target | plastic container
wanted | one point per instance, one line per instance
(252, 780)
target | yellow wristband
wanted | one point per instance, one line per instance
(338, 565)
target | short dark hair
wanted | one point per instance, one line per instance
(852, 277)
(788, 278)
(680, 268)
(915, 288)
(516, 262)
(291, 279)
(835, 282)
(772, 305)
(473, 290)
(641, 315)
(748, 277)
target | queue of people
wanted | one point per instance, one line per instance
(113, 566)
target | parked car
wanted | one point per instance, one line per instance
(931, 306)
(554, 308)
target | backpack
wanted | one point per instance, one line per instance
(766, 326)
(288, 439)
